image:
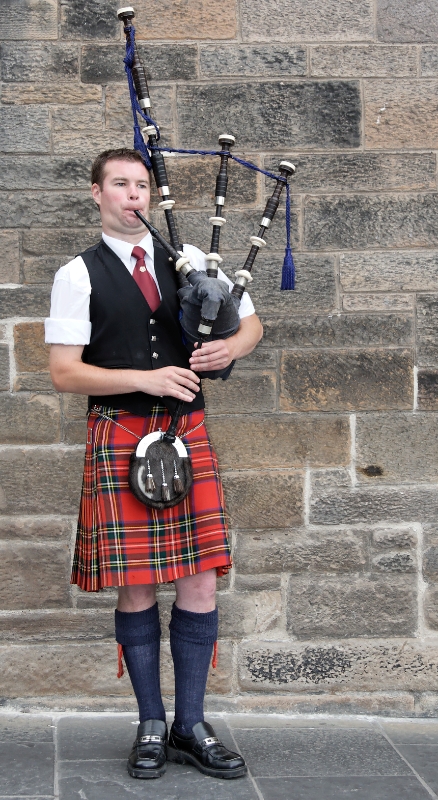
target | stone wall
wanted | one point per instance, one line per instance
(327, 433)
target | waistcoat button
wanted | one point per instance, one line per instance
(153, 338)
(152, 321)
(154, 355)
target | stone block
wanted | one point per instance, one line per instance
(33, 382)
(350, 607)
(362, 666)
(219, 679)
(429, 61)
(96, 20)
(259, 499)
(60, 241)
(322, 480)
(69, 669)
(291, 20)
(374, 504)
(31, 353)
(392, 704)
(341, 172)
(76, 140)
(272, 113)
(4, 367)
(118, 114)
(43, 270)
(346, 380)
(103, 599)
(40, 480)
(280, 440)
(428, 390)
(57, 626)
(394, 538)
(19, 209)
(196, 19)
(400, 115)
(401, 21)
(427, 337)
(34, 575)
(315, 288)
(48, 94)
(193, 181)
(339, 330)
(39, 62)
(250, 60)
(430, 605)
(323, 550)
(36, 528)
(245, 390)
(410, 271)
(359, 221)
(24, 130)
(430, 564)
(10, 256)
(36, 20)
(257, 583)
(396, 448)
(363, 61)
(235, 236)
(377, 302)
(25, 301)
(394, 563)
(75, 431)
(169, 62)
(29, 419)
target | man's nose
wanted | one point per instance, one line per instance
(133, 192)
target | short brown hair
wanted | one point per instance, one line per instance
(122, 154)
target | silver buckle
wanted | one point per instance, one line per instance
(209, 740)
(150, 737)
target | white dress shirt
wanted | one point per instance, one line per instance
(69, 321)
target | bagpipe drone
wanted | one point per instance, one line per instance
(160, 469)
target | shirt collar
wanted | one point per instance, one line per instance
(123, 249)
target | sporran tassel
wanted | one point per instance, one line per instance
(165, 493)
(150, 483)
(178, 488)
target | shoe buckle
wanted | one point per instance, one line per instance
(209, 740)
(150, 737)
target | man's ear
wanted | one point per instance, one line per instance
(95, 193)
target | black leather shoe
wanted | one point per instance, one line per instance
(148, 756)
(206, 752)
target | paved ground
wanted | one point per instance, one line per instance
(83, 757)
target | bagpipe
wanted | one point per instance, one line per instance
(160, 469)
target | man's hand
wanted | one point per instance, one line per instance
(212, 355)
(170, 381)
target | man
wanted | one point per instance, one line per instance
(119, 343)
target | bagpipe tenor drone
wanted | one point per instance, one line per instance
(160, 470)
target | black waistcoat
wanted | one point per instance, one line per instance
(125, 334)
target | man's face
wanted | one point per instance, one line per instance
(126, 186)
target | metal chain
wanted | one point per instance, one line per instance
(134, 434)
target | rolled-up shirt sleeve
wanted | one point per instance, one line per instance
(69, 321)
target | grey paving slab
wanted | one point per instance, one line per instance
(24, 728)
(315, 752)
(95, 737)
(412, 732)
(371, 788)
(25, 767)
(97, 780)
(424, 759)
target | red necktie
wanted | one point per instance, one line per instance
(144, 279)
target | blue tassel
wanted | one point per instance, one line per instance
(288, 273)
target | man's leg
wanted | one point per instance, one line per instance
(138, 631)
(193, 631)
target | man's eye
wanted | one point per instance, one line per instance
(143, 186)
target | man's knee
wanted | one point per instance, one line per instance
(136, 598)
(197, 592)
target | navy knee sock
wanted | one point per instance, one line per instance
(192, 636)
(139, 633)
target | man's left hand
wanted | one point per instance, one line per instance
(214, 355)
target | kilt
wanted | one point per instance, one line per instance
(120, 541)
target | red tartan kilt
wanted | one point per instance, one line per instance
(122, 542)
